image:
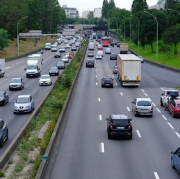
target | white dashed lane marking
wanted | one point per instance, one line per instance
(99, 99)
(154, 105)
(128, 109)
(177, 134)
(142, 90)
(156, 175)
(138, 133)
(96, 83)
(145, 94)
(100, 117)
(102, 147)
(158, 110)
(170, 125)
(121, 93)
(164, 117)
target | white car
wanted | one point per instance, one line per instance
(65, 59)
(108, 51)
(62, 49)
(98, 56)
(67, 46)
(77, 44)
(45, 80)
(53, 48)
(67, 55)
(100, 52)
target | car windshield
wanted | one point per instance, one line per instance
(45, 77)
(22, 100)
(65, 57)
(1, 94)
(120, 122)
(15, 80)
(53, 68)
(60, 63)
(173, 93)
(143, 103)
(32, 67)
(57, 53)
(62, 47)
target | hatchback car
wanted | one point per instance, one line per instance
(175, 160)
(54, 71)
(60, 65)
(57, 55)
(16, 83)
(113, 56)
(119, 125)
(65, 59)
(107, 82)
(90, 54)
(45, 80)
(23, 104)
(108, 51)
(90, 63)
(174, 108)
(3, 132)
(4, 98)
(62, 49)
(142, 106)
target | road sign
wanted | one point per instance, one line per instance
(71, 55)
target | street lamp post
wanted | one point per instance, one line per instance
(138, 28)
(156, 35)
(174, 11)
(18, 34)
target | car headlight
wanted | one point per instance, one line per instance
(27, 107)
(15, 107)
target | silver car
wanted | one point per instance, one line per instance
(23, 104)
(142, 106)
(115, 70)
(16, 83)
(65, 59)
(45, 80)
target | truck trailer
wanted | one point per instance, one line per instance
(129, 69)
(123, 48)
(2, 67)
(105, 43)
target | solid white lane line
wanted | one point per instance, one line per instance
(100, 117)
(142, 90)
(158, 110)
(156, 175)
(164, 117)
(128, 109)
(102, 147)
(121, 93)
(162, 88)
(170, 125)
(138, 133)
(145, 94)
(177, 134)
(154, 104)
(99, 99)
(96, 83)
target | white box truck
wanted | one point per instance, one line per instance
(129, 69)
(2, 67)
(36, 56)
(91, 46)
(33, 68)
(123, 48)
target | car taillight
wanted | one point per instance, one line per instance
(136, 108)
(152, 108)
(102, 81)
(129, 127)
(111, 127)
(112, 82)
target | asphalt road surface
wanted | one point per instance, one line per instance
(15, 69)
(85, 151)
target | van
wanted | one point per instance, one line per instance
(91, 45)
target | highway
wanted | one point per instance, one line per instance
(85, 151)
(15, 69)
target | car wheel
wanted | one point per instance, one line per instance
(9, 89)
(7, 135)
(102, 86)
(4, 103)
(161, 102)
(1, 142)
(130, 137)
(172, 163)
(109, 136)
(173, 115)
(151, 115)
(21, 87)
(135, 115)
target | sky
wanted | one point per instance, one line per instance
(84, 5)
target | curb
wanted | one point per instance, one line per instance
(58, 130)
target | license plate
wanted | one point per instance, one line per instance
(120, 127)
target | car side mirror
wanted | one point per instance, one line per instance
(132, 102)
(172, 152)
(24, 68)
(107, 119)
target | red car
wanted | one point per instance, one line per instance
(174, 108)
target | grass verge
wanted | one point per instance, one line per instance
(32, 147)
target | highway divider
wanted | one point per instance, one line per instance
(49, 155)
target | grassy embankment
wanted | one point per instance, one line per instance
(49, 114)
(25, 47)
(174, 61)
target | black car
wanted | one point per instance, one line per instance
(119, 125)
(4, 98)
(112, 44)
(60, 65)
(89, 63)
(57, 55)
(113, 56)
(90, 54)
(118, 44)
(3, 132)
(54, 71)
(73, 49)
(107, 82)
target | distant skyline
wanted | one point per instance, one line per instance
(84, 5)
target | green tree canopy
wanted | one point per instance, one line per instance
(105, 9)
(138, 5)
(4, 42)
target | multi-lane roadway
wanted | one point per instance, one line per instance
(15, 69)
(85, 152)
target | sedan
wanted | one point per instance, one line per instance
(57, 55)
(23, 104)
(107, 82)
(67, 46)
(90, 54)
(53, 48)
(113, 56)
(62, 49)
(60, 65)
(115, 70)
(65, 59)
(4, 98)
(45, 80)
(90, 63)
(54, 71)
(16, 83)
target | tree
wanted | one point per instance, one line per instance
(90, 15)
(102, 22)
(172, 36)
(4, 42)
(111, 4)
(139, 5)
(165, 49)
(105, 9)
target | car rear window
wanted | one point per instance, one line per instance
(143, 103)
(120, 122)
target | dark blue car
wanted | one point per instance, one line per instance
(175, 159)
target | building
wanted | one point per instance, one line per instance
(160, 6)
(70, 12)
(97, 12)
(85, 14)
